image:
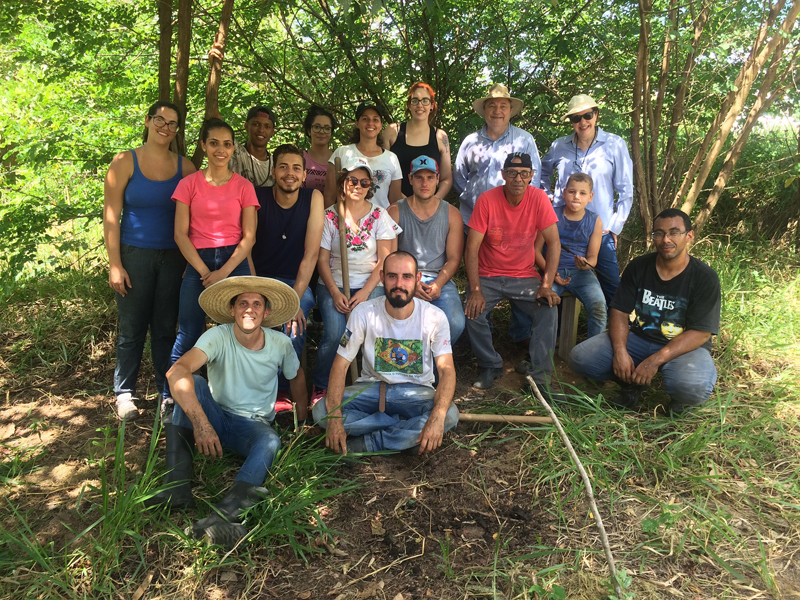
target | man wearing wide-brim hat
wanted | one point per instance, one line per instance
(479, 163)
(235, 408)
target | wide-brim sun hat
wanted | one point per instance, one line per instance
(283, 300)
(580, 103)
(498, 90)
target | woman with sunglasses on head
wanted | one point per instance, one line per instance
(145, 264)
(367, 144)
(605, 158)
(215, 227)
(371, 235)
(319, 126)
(417, 137)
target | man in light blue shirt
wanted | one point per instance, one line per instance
(605, 157)
(479, 164)
(234, 409)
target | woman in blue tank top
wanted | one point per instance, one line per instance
(145, 264)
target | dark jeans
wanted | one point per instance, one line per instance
(151, 302)
(192, 318)
(607, 268)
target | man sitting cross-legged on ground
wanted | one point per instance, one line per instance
(501, 263)
(243, 357)
(393, 405)
(434, 235)
(670, 303)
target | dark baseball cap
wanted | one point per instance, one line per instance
(374, 106)
(253, 112)
(519, 156)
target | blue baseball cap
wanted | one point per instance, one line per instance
(424, 163)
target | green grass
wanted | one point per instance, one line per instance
(712, 500)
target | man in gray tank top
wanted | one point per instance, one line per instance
(433, 232)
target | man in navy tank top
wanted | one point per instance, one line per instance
(288, 239)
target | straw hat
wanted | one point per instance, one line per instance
(580, 103)
(283, 300)
(498, 90)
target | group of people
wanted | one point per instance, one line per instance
(240, 241)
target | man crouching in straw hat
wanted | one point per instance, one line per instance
(236, 406)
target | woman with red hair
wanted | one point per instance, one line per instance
(417, 137)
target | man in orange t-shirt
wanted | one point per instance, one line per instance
(501, 263)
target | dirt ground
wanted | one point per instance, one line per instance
(443, 526)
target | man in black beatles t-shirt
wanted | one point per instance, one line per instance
(670, 303)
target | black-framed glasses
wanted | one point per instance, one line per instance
(672, 234)
(585, 116)
(161, 121)
(321, 128)
(423, 101)
(524, 174)
(355, 181)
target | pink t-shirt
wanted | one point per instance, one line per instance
(315, 173)
(216, 212)
(509, 231)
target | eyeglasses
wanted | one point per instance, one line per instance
(161, 121)
(321, 128)
(585, 116)
(355, 181)
(672, 234)
(521, 174)
(423, 101)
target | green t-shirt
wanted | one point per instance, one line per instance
(243, 381)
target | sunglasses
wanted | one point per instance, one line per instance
(577, 118)
(355, 181)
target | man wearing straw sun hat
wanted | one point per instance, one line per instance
(234, 409)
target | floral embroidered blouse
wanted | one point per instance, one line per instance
(362, 243)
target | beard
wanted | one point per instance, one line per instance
(399, 301)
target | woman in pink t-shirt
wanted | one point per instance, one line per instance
(319, 126)
(215, 227)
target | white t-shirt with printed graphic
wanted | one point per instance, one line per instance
(385, 169)
(396, 351)
(362, 243)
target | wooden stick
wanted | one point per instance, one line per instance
(343, 253)
(479, 418)
(586, 483)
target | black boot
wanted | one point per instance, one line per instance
(180, 441)
(224, 526)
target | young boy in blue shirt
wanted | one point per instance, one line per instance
(580, 231)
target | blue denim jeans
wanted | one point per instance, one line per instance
(408, 407)
(450, 302)
(688, 379)
(607, 268)
(298, 341)
(585, 287)
(521, 292)
(333, 323)
(192, 318)
(151, 302)
(251, 438)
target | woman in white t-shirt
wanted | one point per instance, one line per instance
(367, 142)
(371, 235)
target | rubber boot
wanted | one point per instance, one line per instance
(180, 441)
(224, 527)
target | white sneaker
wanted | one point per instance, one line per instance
(126, 409)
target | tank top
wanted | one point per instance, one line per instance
(148, 212)
(280, 234)
(425, 239)
(315, 174)
(406, 154)
(575, 235)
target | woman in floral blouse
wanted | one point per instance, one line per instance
(371, 236)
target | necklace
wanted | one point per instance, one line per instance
(215, 183)
(287, 225)
(579, 165)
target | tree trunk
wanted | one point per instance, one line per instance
(164, 48)
(640, 99)
(184, 47)
(215, 55)
(797, 201)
